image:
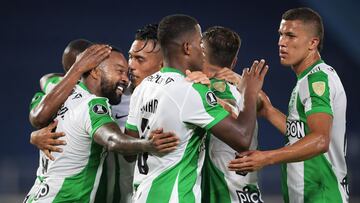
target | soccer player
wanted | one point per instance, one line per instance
(221, 46)
(45, 139)
(314, 167)
(85, 118)
(165, 99)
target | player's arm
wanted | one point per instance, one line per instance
(44, 79)
(313, 144)
(44, 113)
(110, 136)
(272, 114)
(237, 133)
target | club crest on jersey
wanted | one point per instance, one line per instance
(211, 98)
(99, 109)
(318, 87)
(219, 86)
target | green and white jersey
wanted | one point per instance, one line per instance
(322, 178)
(220, 184)
(74, 174)
(165, 99)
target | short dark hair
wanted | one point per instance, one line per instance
(223, 45)
(174, 26)
(146, 33)
(307, 16)
(74, 48)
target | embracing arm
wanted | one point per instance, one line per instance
(313, 144)
(43, 114)
(110, 136)
(237, 133)
(272, 114)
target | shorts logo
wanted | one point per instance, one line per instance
(99, 109)
(249, 194)
(211, 98)
(219, 86)
(319, 88)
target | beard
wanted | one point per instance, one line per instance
(109, 89)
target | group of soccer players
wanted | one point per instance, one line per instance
(174, 123)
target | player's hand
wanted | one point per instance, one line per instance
(163, 142)
(228, 75)
(47, 141)
(197, 77)
(249, 161)
(264, 105)
(91, 57)
(253, 78)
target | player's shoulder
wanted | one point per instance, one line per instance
(223, 89)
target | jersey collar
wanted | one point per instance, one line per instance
(82, 85)
(307, 70)
(169, 69)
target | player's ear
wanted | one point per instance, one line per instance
(186, 48)
(314, 42)
(95, 73)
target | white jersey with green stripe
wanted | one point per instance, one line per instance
(220, 184)
(74, 174)
(166, 100)
(322, 178)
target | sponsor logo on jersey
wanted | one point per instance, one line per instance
(211, 98)
(99, 109)
(42, 192)
(249, 194)
(295, 129)
(319, 87)
(219, 86)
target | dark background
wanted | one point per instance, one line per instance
(35, 33)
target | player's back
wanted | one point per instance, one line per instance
(166, 100)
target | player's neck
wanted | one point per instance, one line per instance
(177, 64)
(92, 86)
(210, 70)
(306, 62)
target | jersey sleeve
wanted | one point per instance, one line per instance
(51, 83)
(131, 123)
(315, 94)
(200, 108)
(36, 100)
(99, 112)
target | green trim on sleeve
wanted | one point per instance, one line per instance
(319, 91)
(54, 80)
(218, 118)
(36, 100)
(131, 127)
(99, 111)
(210, 105)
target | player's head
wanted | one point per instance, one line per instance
(221, 46)
(145, 57)
(180, 39)
(301, 34)
(74, 48)
(111, 77)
